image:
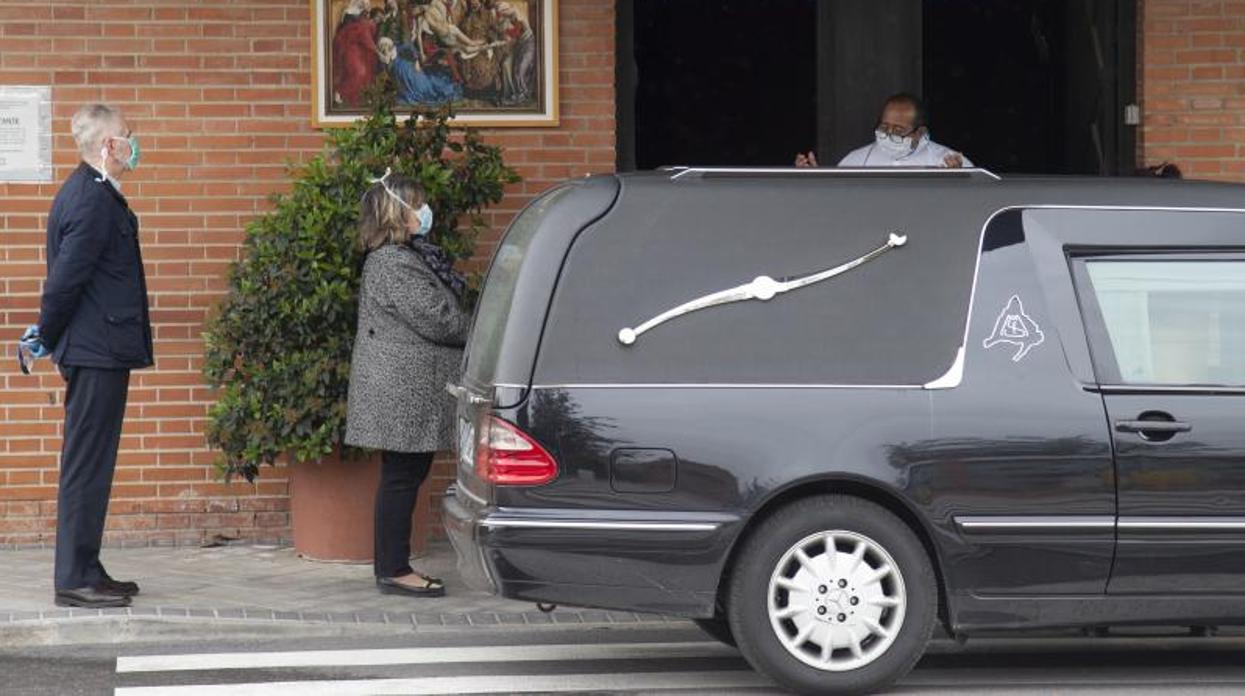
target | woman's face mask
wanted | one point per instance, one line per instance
(425, 220)
(423, 214)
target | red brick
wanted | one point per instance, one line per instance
(26, 492)
(192, 473)
(1206, 56)
(103, 12)
(29, 524)
(116, 30)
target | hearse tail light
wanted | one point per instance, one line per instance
(507, 456)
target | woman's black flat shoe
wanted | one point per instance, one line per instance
(432, 587)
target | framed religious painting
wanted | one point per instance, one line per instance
(495, 61)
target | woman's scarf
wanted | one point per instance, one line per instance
(440, 263)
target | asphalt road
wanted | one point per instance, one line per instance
(601, 661)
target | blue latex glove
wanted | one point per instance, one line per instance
(30, 348)
(34, 341)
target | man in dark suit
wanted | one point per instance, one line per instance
(94, 319)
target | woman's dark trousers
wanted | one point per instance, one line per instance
(401, 474)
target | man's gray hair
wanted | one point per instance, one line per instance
(90, 125)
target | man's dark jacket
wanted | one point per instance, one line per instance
(94, 307)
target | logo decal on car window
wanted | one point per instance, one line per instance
(1015, 327)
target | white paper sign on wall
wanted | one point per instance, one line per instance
(25, 133)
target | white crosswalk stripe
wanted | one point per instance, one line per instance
(420, 656)
(707, 682)
(185, 674)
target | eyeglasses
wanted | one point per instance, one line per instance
(895, 134)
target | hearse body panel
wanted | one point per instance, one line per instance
(952, 378)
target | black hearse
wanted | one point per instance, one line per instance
(820, 411)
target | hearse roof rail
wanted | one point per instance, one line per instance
(973, 174)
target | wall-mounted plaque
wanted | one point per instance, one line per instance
(25, 133)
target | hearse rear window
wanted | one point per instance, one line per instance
(499, 287)
(897, 319)
(1172, 322)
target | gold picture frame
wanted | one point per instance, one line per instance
(496, 61)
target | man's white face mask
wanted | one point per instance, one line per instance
(892, 148)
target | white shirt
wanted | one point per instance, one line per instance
(103, 174)
(927, 154)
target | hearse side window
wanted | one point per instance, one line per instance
(498, 294)
(1167, 321)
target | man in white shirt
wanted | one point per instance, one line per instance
(900, 140)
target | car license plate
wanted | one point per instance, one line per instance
(466, 443)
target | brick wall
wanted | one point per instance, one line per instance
(1192, 75)
(219, 93)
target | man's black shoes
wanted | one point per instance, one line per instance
(91, 598)
(106, 594)
(122, 587)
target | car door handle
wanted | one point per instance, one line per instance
(1151, 426)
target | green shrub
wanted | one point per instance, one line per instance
(277, 348)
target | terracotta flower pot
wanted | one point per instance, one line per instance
(331, 504)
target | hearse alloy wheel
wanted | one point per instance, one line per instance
(836, 600)
(833, 595)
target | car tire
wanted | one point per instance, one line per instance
(717, 628)
(788, 610)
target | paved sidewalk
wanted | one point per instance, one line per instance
(220, 588)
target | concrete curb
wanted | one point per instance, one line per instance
(144, 624)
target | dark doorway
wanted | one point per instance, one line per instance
(1027, 85)
(1024, 86)
(723, 82)
(1006, 114)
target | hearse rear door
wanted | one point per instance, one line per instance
(1162, 298)
(1168, 338)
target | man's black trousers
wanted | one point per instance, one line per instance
(94, 409)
